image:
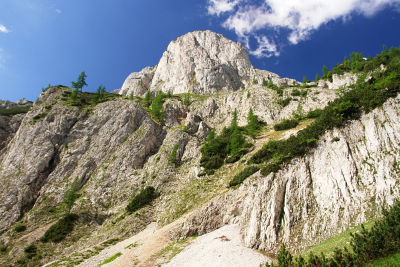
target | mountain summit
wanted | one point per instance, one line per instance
(200, 62)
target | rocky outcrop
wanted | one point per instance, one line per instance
(137, 83)
(200, 62)
(47, 154)
(115, 148)
(350, 175)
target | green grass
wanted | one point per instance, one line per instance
(14, 111)
(339, 241)
(174, 248)
(86, 99)
(110, 259)
(389, 261)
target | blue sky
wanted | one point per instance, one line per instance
(51, 41)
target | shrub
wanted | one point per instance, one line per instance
(272, 167)
(238, 179)
(362, 96)
(230, 142)
(70, 195)
(295, 92)
(314, 113)
(19, 228)
(172, 156)
(156, 107)
(58, 231)
(286, 124)
(142, 199)
(284, 102)
(264, 82)
(186, 100)
(381, 240)
(30, 251)
(14, 111)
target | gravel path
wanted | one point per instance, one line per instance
(219, 248)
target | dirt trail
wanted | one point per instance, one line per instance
(141, 249)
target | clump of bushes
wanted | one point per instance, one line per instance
(145, 196)
(19, 228)
(284, 102)
(58, 231)
(238, 179)
(295, 92)
(362, 97)
(314, 113)
(14, 111)
(230, 145)
(30, 251)
(382, 240)
(172, 156)
(286, 124)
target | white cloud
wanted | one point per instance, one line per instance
(216, 7)
(266, 48)
(300, 17)
(3, 29)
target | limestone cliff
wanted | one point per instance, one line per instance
(115, 148)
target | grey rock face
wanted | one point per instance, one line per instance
(47, 155)
(137, 83)
(339, 184)
(200, 62)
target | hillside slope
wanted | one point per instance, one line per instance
(108, 150)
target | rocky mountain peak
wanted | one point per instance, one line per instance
(200, 62)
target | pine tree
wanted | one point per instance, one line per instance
(147, 99)
(252, 123)
(284, 257)
(264, 82)
(270, 83)
(234, 121)
(70, 195)
(156, 106)
(237, 139)
(325, 72)
(81, 82)
(304, 81)
(316, 77)
(186, 100)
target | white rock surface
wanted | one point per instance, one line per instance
(137, 83)
(220, 248)
(340, 184)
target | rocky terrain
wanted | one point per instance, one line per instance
(114, 148)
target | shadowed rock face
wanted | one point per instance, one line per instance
(46, 155)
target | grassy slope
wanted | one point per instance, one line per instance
(390, 261)
(339, 241)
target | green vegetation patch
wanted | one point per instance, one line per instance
(19, 228)
(366, 246)
(364, 96)
(286, 124)
(238, 179)
(341, 240)
(58, 231)
(30, 251)
(230, 145)
(143, 198)
(390, 261)
(14, 111)
(112, 258)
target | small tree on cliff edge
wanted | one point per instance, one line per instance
(81, 82)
